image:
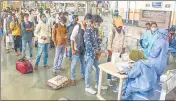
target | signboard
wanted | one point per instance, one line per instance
(162, 18)
(157, 4)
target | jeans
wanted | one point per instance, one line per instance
(42, 47)
(59, 53)
(108, 75)
(17, 43)
(24, 42)
(70, 52)
(89, 63)
(73, 65)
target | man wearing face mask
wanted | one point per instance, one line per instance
(116, 43)
(117, 19)
(27, 28)
(15, 28)
(8, 40)
(171, 38)
(43, 33)
(92, 52)
(59, 38)
(77, 46)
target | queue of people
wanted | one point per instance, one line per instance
(84, 40)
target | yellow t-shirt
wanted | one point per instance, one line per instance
(15, 28)
(99, 32)
(117, 21)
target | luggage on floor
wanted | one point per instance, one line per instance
(24, 66)
(58, 82)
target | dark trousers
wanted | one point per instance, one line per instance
(17, 43)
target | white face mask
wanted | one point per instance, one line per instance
(62, 23)
(153, 29)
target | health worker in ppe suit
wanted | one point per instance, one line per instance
(143, 75)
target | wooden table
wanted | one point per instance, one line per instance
(110, 68)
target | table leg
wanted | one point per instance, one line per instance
(120, 89)
(100, 82)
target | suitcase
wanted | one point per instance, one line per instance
(24, 66)
(58, 82)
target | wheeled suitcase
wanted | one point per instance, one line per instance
(24, 66)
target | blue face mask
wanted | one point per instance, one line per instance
(44, 19)
(96, 26)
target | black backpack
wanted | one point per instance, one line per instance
(70, 30)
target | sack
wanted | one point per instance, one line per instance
(58, 82)
(24, 66)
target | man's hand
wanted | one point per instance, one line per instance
(43, 37)
(74, 51)
(98, 55)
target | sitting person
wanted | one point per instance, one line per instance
(143, 75)
(171, 37)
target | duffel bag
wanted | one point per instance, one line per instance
(58, 82)
(24, 66)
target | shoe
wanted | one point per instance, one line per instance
(61, 69)
(102, 87)
(90, 90)
(36, 68)
(110, 82)
(73, 83)
(116, 90)
(46, 66)
(54, 73)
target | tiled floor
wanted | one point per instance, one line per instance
(17, 86)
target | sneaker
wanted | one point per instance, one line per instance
(73, 82)
(36, 68)
(102, 87)
(116, 90)
(90, 90)
(110, 82)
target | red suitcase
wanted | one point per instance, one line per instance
(24, 66)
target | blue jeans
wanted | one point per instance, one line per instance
(108, 75)
(59, 54)
(42, 47)
(24, 42)
(70, 52)
(89, 63)
(73, 65)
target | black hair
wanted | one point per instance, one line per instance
(147, 24)
(74, 16)
(88, 16)
(65, 13)
(172, 29)
(63, 19)
(154, 23)
(97, 18)
(26, 14)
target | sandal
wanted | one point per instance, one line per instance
(35, 68)
(61, 69)
(46, 66)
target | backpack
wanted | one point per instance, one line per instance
(80, 41)
(70, 30)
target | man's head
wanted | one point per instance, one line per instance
(97, 20)
(172, 31)
(154, 26)
(26, 17)
(61, 14)
(88, 18)
(63, 20)
(116, 13)
(147, 26)
(13, 17)
(43, 18)
(75, 18)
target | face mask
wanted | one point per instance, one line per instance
(88, 23)
(9, 16)
(44, 19)
(153, 29)
(62, 24)
(96, 26)
(118, 30)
